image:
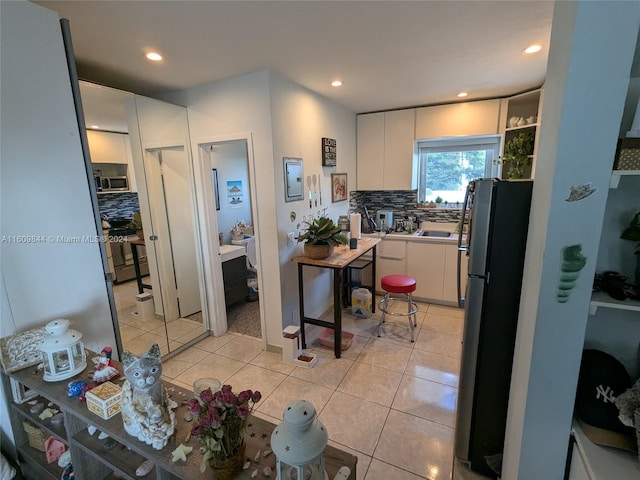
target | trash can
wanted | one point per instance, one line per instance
(144, 306)
(361, 302)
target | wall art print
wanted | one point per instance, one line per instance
(572, 262)
(235, 193)
(338, 187)
(579, 192)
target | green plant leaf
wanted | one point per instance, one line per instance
(322, 231)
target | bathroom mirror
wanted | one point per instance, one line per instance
(293, 188)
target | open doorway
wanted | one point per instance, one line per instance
(229, 183)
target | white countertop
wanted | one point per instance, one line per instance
(413, 237)
(229, 252)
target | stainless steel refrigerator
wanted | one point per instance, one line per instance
(498, 217)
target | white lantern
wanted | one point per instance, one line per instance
(62, 351)
(299, 442)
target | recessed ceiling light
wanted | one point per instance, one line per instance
(532, 49)
(95, 127)
(463, 94)
(156, 57)
(336, 83)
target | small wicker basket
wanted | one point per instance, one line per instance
(317, 252)
(35, 436)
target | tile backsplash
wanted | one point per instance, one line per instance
(119, 205)
(402, 202)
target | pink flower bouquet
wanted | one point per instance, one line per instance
(221, 421)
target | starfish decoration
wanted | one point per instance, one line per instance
(252, 434)
(264, 435)
(180, 453)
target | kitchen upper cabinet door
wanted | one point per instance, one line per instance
(450, 287)
(425, 263)
(399, 130)
(106, 147)
(131, 173)
(469, 118)
(370, 151)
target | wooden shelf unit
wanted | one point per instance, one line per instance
(97, 459)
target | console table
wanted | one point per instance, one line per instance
(338, 261)
(97, 459)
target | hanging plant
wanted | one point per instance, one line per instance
(518, 154)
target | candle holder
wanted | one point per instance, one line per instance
(299, 442)
(62, 351)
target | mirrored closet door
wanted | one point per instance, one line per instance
(143, 171)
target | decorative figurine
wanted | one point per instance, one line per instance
(147, 409)
(75, 388)
(105, 367)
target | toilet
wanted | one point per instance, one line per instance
(249, 243)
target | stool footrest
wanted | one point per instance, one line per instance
(412, 309)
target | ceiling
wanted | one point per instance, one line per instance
(389, 54)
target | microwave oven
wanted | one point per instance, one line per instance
(112, 184)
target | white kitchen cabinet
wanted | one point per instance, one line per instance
(399, 130)
(112, 148)
(385, 150)
(131, 173)
(467, 118)
(426, 263)
(370, 151)
(390, 259)
(450, 280)
(107, 147)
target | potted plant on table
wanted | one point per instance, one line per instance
(518, 154)
(320, 237)
(220, 427)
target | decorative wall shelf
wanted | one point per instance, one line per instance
(602, 299)
(523, 127)
(616, 174)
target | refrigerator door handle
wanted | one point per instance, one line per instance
(462, 248)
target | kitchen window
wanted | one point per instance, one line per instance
(446, 166)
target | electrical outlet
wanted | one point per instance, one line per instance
(290, 238)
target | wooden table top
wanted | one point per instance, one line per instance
(342, 255)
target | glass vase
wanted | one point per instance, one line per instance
(230, 467)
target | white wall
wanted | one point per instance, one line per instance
(587, 80)
(238, 107)
(283, 119)
(300, 119)
(45, 192)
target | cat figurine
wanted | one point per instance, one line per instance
(147, 410)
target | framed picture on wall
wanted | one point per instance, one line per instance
(216, 192)
(338, 187)
(329, 152)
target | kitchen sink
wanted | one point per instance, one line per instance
(434, 233)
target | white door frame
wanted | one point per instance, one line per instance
(213, 268)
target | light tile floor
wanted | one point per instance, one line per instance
(138, 334)
(387, 400)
